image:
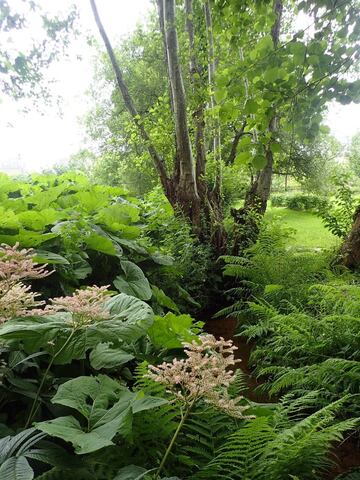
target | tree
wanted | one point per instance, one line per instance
(184, 186)
(288, 75)
(22, 64)
(253, 86)
(353, 154)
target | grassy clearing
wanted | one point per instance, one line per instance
(309, 229)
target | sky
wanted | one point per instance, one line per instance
(39, 139)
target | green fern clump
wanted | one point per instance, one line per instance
(288, 445)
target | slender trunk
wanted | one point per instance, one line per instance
(160, 5)
(238, 135)
(246, 226)
(196, 80)
(187, 193)
(216, 134)
(129, 103)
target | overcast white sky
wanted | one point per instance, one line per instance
(39, 140)
(35, 141)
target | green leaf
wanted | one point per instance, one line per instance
(100, 243)
(107, 406)
(273, 74)
(172, 330)
(163, 300)
(275, 147)
(27, 239)
(92, 396)
(130, 320)
(220, 94)
(38, 220)
(43, 256)
(243, 158)
(131, 472)
(103, 356)
(313, 60)
(69, 429)
(162, 259)
(117, 215)
(133, 281)
(298, 49)
(16, 468)
(259, 162)
(251, 106)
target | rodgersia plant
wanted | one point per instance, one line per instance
(85, 306)
(205, 374)
(16, 299)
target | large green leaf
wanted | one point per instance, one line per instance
(107, 406)
(172, 330)
(102, 244)
(117, 215)
(16, 468)
(38, 220)
(43, 256)
(70, 430)
(163, 300)
(133, 281)
(130, 320)
(104, 356)
(131, 472)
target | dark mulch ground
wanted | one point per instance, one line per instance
(346, 454)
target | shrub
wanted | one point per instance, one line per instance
(299, 202)
(338, 217)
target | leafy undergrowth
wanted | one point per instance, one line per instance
(301, 315)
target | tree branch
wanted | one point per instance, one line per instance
(128, 101)
(238, 135)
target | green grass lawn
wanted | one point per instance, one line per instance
(309, 229)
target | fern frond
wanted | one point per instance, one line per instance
(239, 457)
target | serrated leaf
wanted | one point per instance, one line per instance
(171, 331)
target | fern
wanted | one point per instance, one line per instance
(239, 457)
(352, 475)
(302, 449)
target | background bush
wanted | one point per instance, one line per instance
(299, 201)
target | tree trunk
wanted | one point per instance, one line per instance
(185, 188)
(350, 250)
(186, 191)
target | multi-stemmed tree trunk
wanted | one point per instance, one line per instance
(185, 186)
